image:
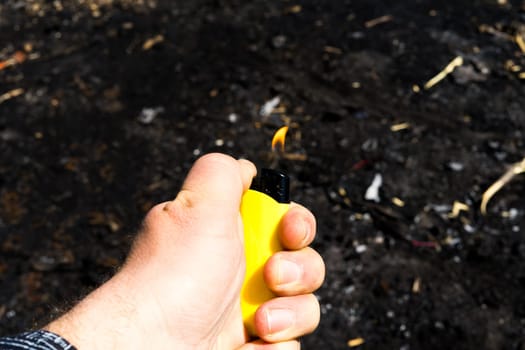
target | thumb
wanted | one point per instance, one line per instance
(211, 194)
(216, 179)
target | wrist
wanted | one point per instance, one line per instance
(105, 319)
(114, 316)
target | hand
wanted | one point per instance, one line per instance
(180, 286)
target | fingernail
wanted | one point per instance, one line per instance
(306, 230)
(289, 272)
(279, 319)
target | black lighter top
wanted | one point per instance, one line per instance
(274, 184)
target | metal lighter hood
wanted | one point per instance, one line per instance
(274, 184)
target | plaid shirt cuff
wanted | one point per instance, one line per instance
(37, 340)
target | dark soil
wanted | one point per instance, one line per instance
(80, 165)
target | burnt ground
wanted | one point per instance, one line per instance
(81, 163)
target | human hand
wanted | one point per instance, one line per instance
(180, 285)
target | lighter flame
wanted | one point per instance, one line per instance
(279, 138)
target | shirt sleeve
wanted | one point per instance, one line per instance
(37, 340)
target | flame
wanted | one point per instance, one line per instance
(279, 138)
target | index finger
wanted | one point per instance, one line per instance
(297, 228)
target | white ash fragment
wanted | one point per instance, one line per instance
(233, 118)
(269, 106)
(279, 41)
(349, 290)
(361, 248)
(372, 193)
(455, 166)
(494, 144)
(147, 115)
(469, 228)
(439, 325)
(501, 156)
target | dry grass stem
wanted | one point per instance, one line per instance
(352, 343)
(399, 127)
(514, 170)
(456, 62)
(521, 43)
(11, 94)
(379, 20)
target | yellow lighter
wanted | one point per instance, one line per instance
(262, 209)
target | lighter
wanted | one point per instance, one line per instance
(262, 208)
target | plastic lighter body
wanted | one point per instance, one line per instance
(262, 209)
